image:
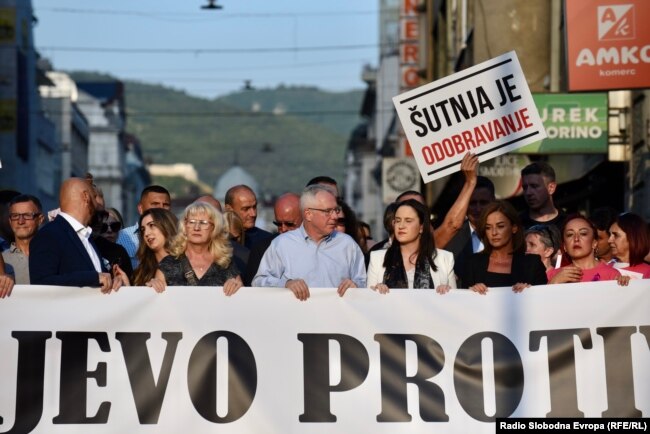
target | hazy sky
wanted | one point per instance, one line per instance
(212, 52)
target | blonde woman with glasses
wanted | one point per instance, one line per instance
(201, 254)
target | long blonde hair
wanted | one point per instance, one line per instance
(220, 247)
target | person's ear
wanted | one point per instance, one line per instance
(140, 210)
(551, 187)
(548, 252)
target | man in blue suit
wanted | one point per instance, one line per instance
(62, 253)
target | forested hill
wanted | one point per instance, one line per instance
(281, 136)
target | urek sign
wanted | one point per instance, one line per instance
(608, 44)
(486, 109)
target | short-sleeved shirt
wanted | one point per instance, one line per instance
(17, 264)
(128, 238)
(174, 273)
(556, 221)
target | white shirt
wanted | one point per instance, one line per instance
(444, 262)
(84, 233)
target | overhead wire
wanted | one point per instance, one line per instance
(175, 81)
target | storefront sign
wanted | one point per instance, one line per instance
(575, 123)
(608, 44)
(398, 175)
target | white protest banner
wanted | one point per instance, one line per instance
(486, 109)
(412, 361)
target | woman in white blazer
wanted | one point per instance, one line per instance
(412, 260)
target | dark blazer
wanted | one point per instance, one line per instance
(461, 246)
(58, 257)
(254, 235)
(115, 254)
(257, 251)
(525, 269)
(240, 256)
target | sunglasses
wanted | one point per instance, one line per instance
(287, 224)
(114, 227)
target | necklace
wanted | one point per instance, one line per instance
(200, 264)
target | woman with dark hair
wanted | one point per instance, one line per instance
(579, 241)
(503, 261)
(389, 216)
(412, 260)
(602, 218)
(630, 244)
(158, 228)
(347, 223)
(201, 253)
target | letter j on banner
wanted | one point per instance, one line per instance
(486, 109)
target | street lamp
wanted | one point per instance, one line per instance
(212, 4)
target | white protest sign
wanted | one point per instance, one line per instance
(486, 109)
(191, 360)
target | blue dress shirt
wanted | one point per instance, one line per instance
(293, 255)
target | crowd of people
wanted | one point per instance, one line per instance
(482, 242)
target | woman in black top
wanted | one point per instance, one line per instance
(201, 254)
(503, 261)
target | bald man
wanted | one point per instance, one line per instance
(62, 252)
(287, 218)
(242, 201)
(206, 198)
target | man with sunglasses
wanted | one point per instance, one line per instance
(25, 217)
(287, 218)
(315, 254)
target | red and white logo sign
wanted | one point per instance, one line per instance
(616, 22)
(608, 44)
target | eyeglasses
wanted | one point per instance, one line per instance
(287, 224)
(328, 211)
(114, 227)
(15, 216)
(202, 224)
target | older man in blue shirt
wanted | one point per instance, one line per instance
(314, 255)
